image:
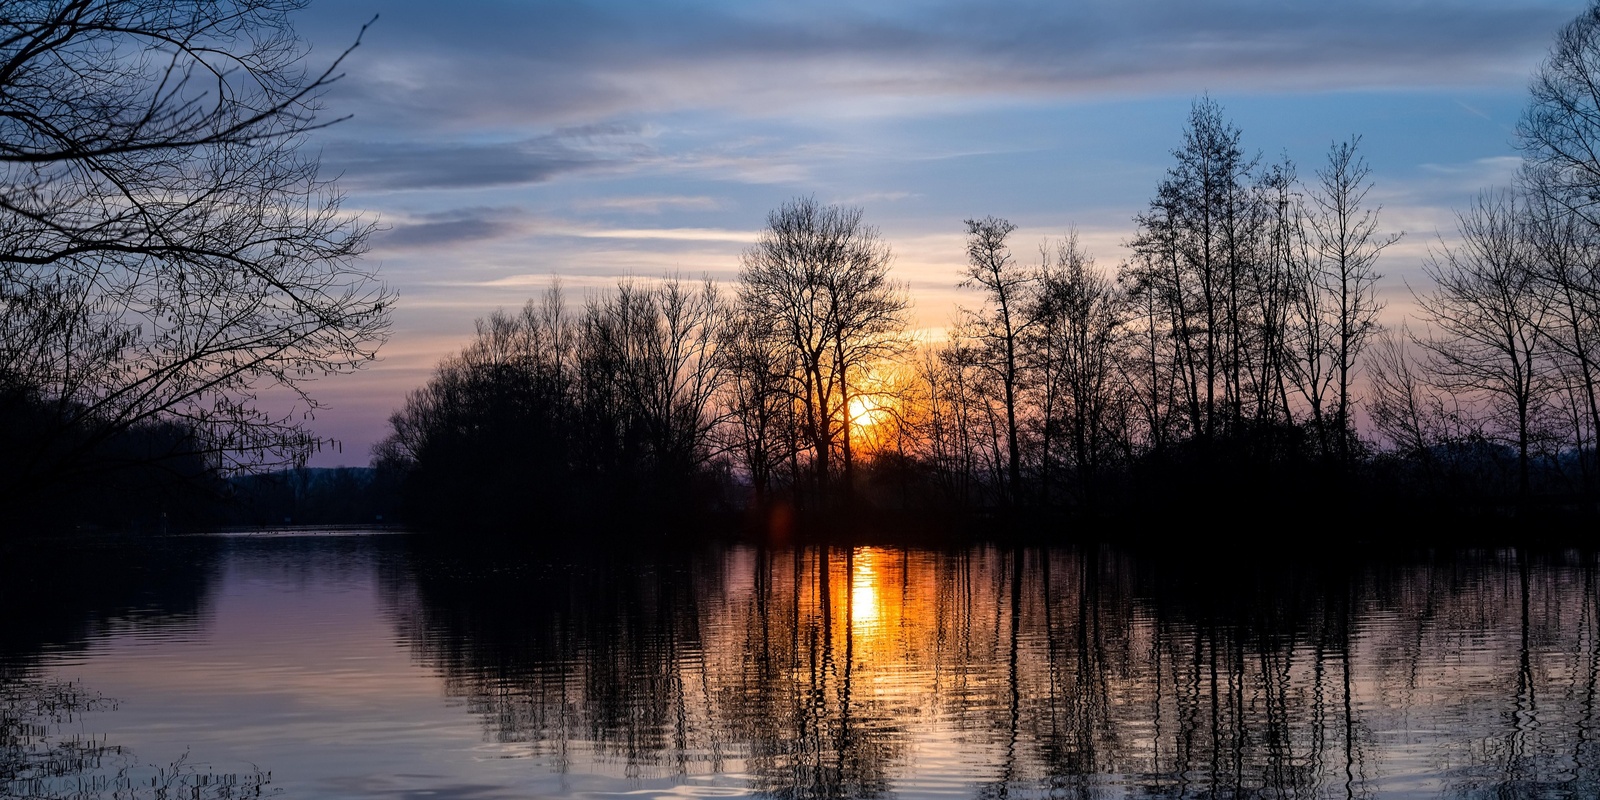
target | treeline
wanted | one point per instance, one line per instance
(551, 411)
(63, 468)
(1235, 356)
(307, 496)
(67, 468)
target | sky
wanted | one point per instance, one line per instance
(505, 144)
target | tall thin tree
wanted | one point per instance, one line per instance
(1000, 325)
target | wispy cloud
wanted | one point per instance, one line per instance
(1474, 175)
(548, 63)
(672, 234)
(454, 227)
(1477, 112)
(515, 282)
(422, 164)
(405, 165)
(649, 204)
(874, 197)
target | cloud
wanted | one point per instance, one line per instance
(767, 168)
(512, 281)
(413, 165)
(549, 63)
(1458, 182)
(672, 234)
(1481, 171)
(874, 197)
(650, 204)
(409, 165)
(454, 227)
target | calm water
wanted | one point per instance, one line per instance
(346, 667)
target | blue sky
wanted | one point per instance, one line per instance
(501, 143)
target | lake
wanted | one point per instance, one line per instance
(355, 665)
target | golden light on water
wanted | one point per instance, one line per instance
(866, 607)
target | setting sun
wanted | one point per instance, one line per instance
(867, 415)
(864, 411)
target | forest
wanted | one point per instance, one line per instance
(1236, 357)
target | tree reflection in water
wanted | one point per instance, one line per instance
(855, 672)
(92, 587)
(46, 755)
(59, 596)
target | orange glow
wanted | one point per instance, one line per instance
(886, 400)
(865, 411)
(866, 608)
(869, 422)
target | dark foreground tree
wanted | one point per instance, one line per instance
(168, 252)
(817, 281)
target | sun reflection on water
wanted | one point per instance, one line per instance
(866, 607)
(831, 672)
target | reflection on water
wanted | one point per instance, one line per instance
(355, 668)
(46, 755)
(850, 672)
(57, 598)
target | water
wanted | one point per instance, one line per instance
(348, 666)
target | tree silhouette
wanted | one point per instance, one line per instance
(169, 250)
(1559, 132)
(1348, 242)
(1488, 320)
(999, 326)
(818, 278)
(1076, 350)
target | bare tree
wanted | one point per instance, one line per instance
(1559, 132)
(1309, 341)
(1486, 319)
(869, 313)
(1154, 373)
(168, 251)
(1347, 239)
(658, 345)
(550, 412)
(999, 326)
(761, 410)
(967, 433)
(818, 279)
(1075, 349)
(1566, 268)
(1559, 135)
(496, 423)
(1402, 404)
(1198, 256)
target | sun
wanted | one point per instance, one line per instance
(866, 413)
(863, 410)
